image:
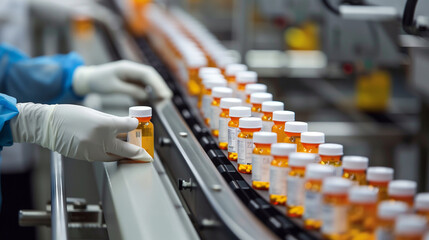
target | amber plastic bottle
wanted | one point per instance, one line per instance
(335, 205)
(267, 110)
(205, 79)
(261, 159)
(233, 130)
(207, 98)
(253, 88)
(193, 66)
(217, 94)
(310, 141)
(279, 120)
(293, 132)
(231, 71)
(362, 215)
(296, 182)
(142, 136)
(379, 177)
(422, 205)
(225, 105)
(202, 72)
(354, 168)
(279, 170)
(330, 154)
(248, 126)
(410, 227)
(402, 190)
(387, 212)
(244, 78)
(256, 99)
(314, 175)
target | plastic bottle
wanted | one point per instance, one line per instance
(217, 94)
(279, 170)
(233, 130)
(247, 126)
(362, 215)
(225, 105)
(402, 190)
(206, 89)
(387, 212)
(410, 227)
(207, 96)
(314, 175)
(293, 132)
(253, 88)
(142, 136)
(354, 168)
(379, 177)
(422, 205)
(267, 109)
(295, 182)
(244, 78)
(279, 120)
(256, 99)
(202, 72)
(193, 67)
(261, 159)
(330, 154)
(231, 72)
(335, 206)
(310, 141)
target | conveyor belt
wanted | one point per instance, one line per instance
(280, 224)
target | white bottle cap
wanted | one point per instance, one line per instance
(140, 111)
(240, 112)
(312, 137)
(302, 159)
(246, 77)
(391, 209)
(282, 149)
(264, 137)
(211, 83)
(402, 188)
(210, 76)
(255, 88)
(283, 116)
(224, 61)
(363, 194)
(250, 122)
(355, 162)
(196, 61)
(318, 171)
(330, 149)
(410, 224)
(379, 174)
(233, 69)
(271, 106)
(421, 201)
(336, 185)
(296, 127)
(207, 70)
(226, 103)
(260, 97)
(221, 92)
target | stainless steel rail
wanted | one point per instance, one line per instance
(58, 198)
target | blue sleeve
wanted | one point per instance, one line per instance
(46, 79)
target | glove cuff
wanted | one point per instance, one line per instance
(80, 82)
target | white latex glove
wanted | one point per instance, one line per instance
(76, 132)
(120, 77)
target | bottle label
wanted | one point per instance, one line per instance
(333, 219)
(339, 171)
(261, 167)
(383, 234)
(223, 129)
(241, 95)
(244, 151)
(278, 177)
(214, 119)
(135, 137)
(232, 139)
(205, 105)
(267, 126)
(295, 191)
(312, 205)
(257, 114)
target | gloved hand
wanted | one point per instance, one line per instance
(120, 77)
(76, 132)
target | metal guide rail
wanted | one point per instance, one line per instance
(283, 226)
